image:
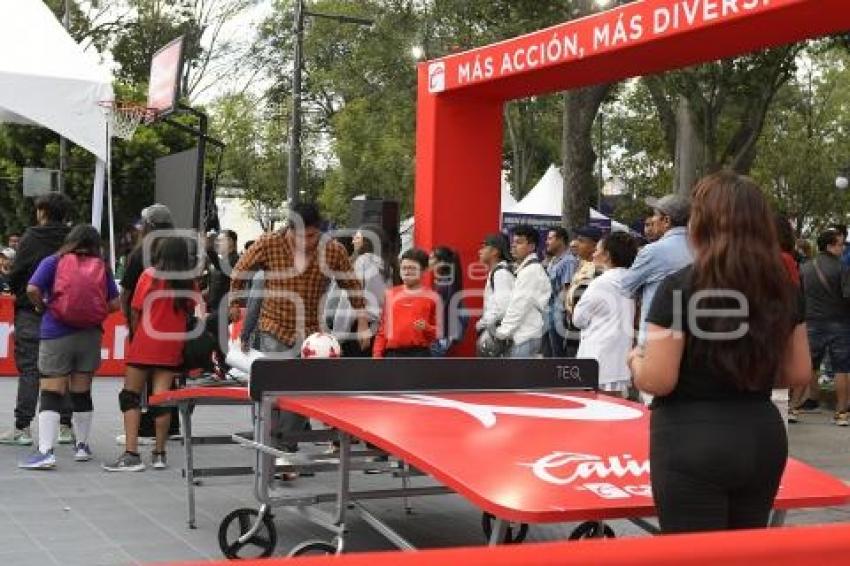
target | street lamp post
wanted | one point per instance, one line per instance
(295, 126)
(293, 191)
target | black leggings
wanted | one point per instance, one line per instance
(716, 465)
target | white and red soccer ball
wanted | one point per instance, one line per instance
(321, 345)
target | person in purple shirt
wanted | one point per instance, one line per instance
(69, 354)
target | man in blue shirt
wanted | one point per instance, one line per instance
(560, 270)
(667, 255)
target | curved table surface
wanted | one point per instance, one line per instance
(532, 457)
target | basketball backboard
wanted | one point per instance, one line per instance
(164, 84)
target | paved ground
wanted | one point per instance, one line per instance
(81, 515)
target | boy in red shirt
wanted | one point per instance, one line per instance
(409, 321)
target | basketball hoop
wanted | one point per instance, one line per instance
(125, 117)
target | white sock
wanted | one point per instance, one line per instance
(82, 425)
(48, 430)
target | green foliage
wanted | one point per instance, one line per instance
(254, 159)
(636, 149)
(806, 142)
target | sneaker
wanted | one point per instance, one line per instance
(39, 461)
(840, 419)
(121, 440)
(126, 462)
(793, 416)
(159, 461)
(809, 405)
(17, 436)
(82, 453)
(66, 434)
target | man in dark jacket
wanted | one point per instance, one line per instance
(38, 242)
(828, 318)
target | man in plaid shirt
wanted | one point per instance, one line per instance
(298, 264)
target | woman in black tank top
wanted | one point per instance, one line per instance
(721, 334)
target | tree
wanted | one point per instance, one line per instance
(712, 115)
(806, 141)
(253, 162)
(639, 155)
(581, 107)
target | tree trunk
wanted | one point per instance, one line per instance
(689, 162)
(580, 109)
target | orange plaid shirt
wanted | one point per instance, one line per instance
(294, 304)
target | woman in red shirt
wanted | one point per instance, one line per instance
(409, 320)
(162, 302)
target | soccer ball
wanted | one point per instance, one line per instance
(321, 345)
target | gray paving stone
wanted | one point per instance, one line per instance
(14, 545)
(88, 555)
(29, 558)
(164, 552)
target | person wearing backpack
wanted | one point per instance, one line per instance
(495, 254)
(523, 322)
(75, 291)
(165, 297)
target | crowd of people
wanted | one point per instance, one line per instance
(661, 314)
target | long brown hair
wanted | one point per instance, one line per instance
(736, 249)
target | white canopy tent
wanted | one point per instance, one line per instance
(48, 80)
(547, 197)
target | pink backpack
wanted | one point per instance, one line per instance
(79, 291)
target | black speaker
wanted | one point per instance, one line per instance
(384, 213)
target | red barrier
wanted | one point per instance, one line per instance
(821, 545)
(112, 351)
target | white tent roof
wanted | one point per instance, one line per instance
(546, 197)
(46, 78)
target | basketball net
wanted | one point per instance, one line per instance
(124, 117)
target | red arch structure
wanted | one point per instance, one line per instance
(460, 100)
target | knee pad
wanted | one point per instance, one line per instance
(129, 400)
(52, 401)
(81, 402)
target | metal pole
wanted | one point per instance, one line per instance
(63, 143)
(600, 120)
(199, 218)
(295, 128)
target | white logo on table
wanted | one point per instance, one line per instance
(588, 409)
(564, 468)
